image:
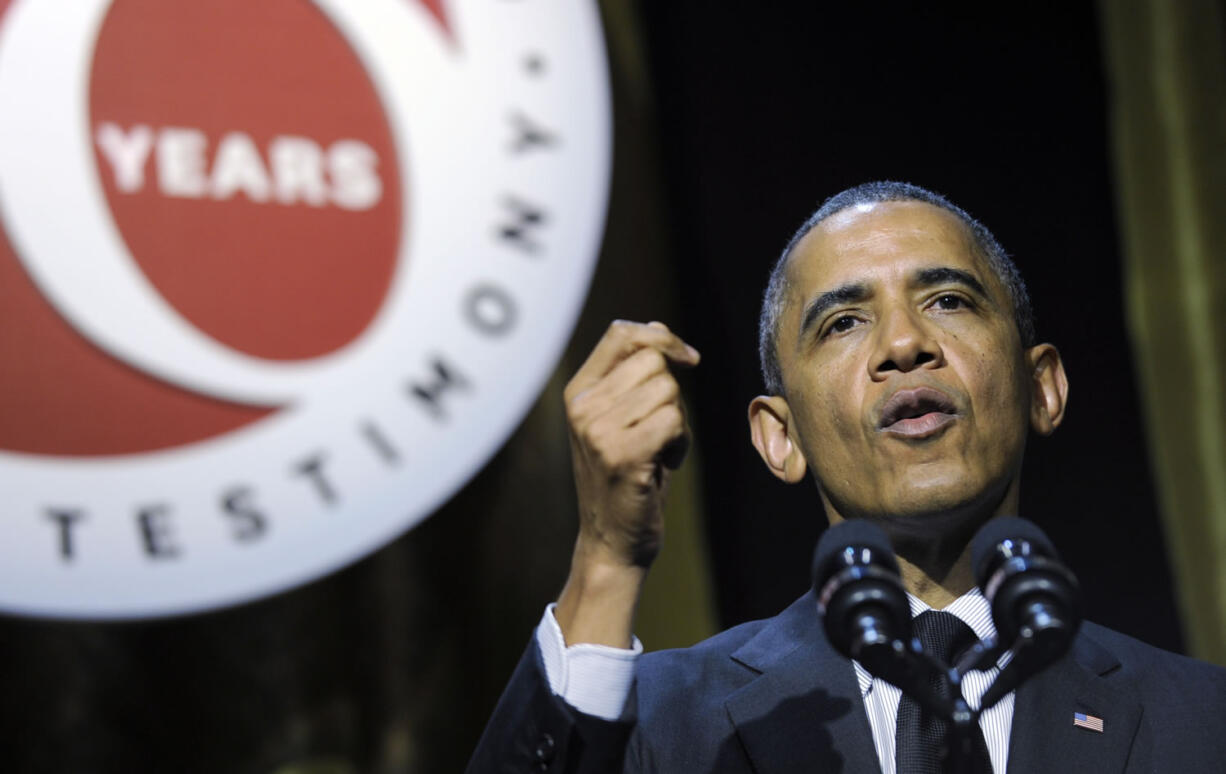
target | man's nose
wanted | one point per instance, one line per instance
(904, 341)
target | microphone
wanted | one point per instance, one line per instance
(1036, 601)
(864, 609)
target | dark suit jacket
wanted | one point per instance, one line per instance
(772, 697)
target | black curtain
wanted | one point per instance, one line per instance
(767, 109)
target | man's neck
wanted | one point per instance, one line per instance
(938, 588)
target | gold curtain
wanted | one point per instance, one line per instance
(1167, 63)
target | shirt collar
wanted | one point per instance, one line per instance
(972, 608)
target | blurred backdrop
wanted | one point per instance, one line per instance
(1088, 137)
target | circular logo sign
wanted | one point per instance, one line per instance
(276, 278)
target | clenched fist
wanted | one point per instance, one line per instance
(627, 431)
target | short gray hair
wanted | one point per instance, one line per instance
(873, 193)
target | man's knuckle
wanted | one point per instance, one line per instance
(577, 407)
(597, 432)
(669, 388)
(671, 416)
(652, 360)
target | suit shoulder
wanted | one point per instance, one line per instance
(697, 676)
(1161, 671)
(1182, 700)
(717, 648)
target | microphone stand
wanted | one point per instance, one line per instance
(960, 744)
(952, 706)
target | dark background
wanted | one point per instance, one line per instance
(765, 110)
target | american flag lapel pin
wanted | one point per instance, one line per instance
(1082, 720)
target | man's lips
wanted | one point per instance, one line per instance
(916, 413)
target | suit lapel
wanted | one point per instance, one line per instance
(1044, 737)
(804, 712)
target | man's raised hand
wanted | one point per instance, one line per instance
(627, 430)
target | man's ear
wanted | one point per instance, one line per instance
(769, 423)
(1049, 384)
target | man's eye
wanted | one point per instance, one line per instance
(950, 301)
(841, 324)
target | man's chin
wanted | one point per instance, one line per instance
(933, 511)
(958, 522)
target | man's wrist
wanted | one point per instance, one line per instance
(598, 603)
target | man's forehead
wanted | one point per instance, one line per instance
(904, 233)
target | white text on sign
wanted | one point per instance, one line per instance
(297, 170)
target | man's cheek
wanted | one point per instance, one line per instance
(836, 417)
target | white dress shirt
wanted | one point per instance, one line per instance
(596, 679)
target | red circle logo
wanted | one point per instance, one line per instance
(276, 278)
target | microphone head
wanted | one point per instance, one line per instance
(1032, 594)
(1003, 538)
(838, 548)
(859, 592)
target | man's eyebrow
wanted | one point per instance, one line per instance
(844, 294)
(944, 275)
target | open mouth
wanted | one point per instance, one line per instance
(917, 413)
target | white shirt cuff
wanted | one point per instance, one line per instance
(594, 679)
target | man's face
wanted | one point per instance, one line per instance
(907, 388)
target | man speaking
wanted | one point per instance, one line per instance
(903, 375)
